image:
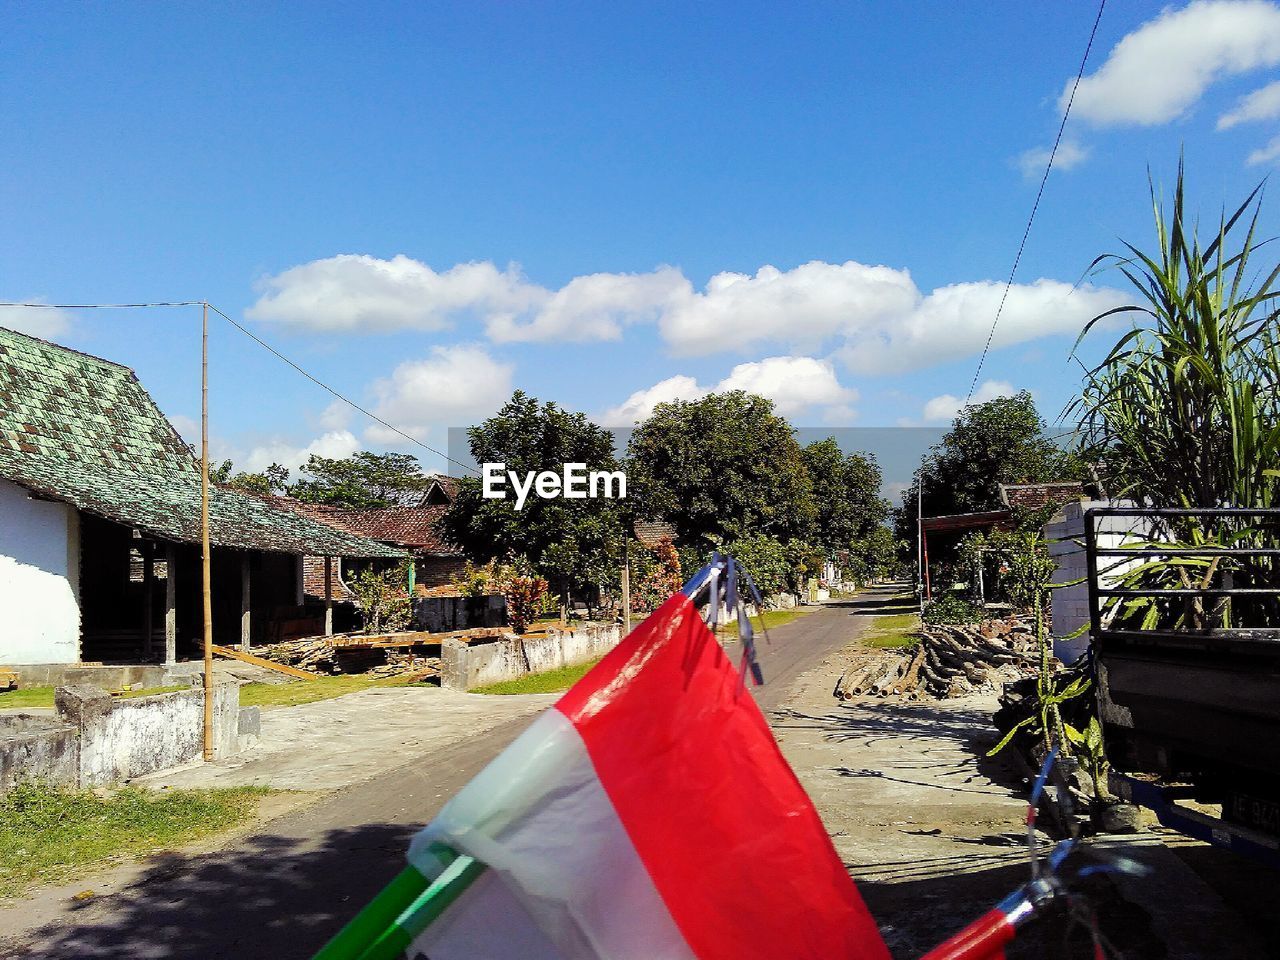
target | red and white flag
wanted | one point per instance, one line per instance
(648, 815)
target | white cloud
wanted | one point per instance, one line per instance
(954, 321)
(1160, 70)
(451, 387)
(1069, 156)
(803, 307)
(336, 416)
(1268, 154)
(640, 404)
(336, 445)
(1262, 104)
(358, 292)
(945, 407)
(796, 385)
(876, 314)
(44, 322)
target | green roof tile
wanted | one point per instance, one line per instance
(83, 430)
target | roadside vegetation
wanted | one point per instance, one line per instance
(49, 835)
(269, 695)
(553, 681)
(771, 619)
(896, 631)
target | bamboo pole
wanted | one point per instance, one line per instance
(204, 531)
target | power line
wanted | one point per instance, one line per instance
(1036, 206)
(260, 342)
(347, 400)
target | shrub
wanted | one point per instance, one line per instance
(951, 609)
(524, 600)
(383, 599)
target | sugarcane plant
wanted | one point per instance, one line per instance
(1184, 411)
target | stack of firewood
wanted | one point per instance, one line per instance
(947, 662)
(312, 653)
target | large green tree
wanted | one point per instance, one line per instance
(571, 542)
(363, 481)
(721, 468)
(1001, 441)
(845, 493)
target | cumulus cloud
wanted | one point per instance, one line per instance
(795, 385)
(868, 310)
(336, 445)
(47, 323)
(1262, 104)
(954, 321)
(1069, 156)
(1268, 154)
(1160, 70)
(944, 408)
(358, 292)
(451, 386)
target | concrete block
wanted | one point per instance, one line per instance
(250, 722)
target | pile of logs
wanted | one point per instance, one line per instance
(316, 654)
(947, 662)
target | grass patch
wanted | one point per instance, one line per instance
(897, 631)
(27, 697)
(772, 618)
(298, 692)
(553, 681)
(48, 835)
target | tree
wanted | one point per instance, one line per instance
(874, 556)
(1000, 441)
(571, 543)
(363, 481)
(846, 495)
(274, 479)
(721, 468)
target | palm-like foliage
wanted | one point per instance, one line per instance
(1184, 411)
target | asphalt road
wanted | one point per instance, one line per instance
(282, 892)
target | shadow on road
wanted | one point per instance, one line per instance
(271, 897)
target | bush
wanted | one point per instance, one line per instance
(524, 600)
(951, 609)
(383, 599)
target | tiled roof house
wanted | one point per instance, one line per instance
(100, 522)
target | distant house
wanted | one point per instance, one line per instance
(1030, 497)
(653, 532)
(413, 530)
(100, 525)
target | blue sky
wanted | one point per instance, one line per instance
(602, 204)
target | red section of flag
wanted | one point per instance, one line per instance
(731, 840)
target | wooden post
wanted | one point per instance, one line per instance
(170, 604)
(246, 599)
(204, 532)
(626, 593)
(328, 596)
(148, 598)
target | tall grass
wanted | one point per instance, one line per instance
(1184, 410)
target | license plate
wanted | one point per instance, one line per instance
(1253, 812)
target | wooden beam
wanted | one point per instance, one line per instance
(262, 662)
(300, 588)
(328, 596)
(170, 604)
(245, 600)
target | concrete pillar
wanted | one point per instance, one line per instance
(328, 596)
(171, 604)
(245, 598)
(148, 597)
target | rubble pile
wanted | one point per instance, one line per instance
(340, 654)
(948, 661)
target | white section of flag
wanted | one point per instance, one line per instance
(540, 820)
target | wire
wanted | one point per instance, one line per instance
(104, 306)
(1036, 206)
(260, 342)
(347, 400)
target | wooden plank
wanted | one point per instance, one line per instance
(262, 662)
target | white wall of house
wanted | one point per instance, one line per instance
(39, 579)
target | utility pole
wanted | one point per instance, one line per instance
(626, 586)
(204, 531)
(920, 574)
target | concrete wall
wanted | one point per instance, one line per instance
(97, 739)
(36, 747)
(464, 666)
(442, 614)
(39, 579)
(1071, 604)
